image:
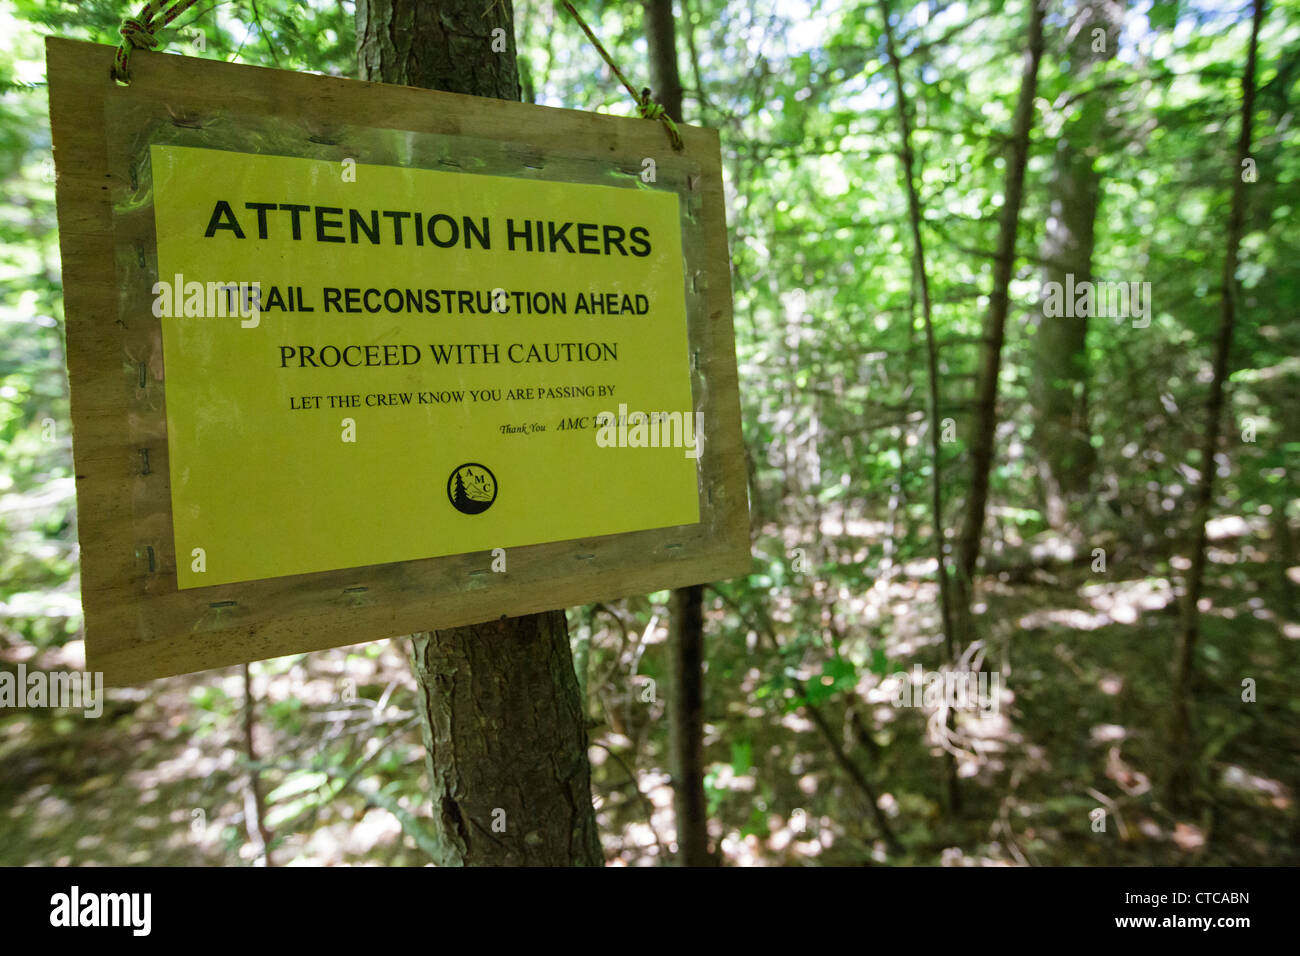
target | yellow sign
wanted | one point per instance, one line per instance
(485, 369)
(369, 364)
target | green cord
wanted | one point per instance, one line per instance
(138, 32)
(645, 104)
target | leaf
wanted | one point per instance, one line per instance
(838, 674)
(742, 756)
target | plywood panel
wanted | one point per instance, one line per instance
(139, 625)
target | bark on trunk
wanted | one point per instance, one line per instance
(686, 714)
(661, 38)
(995, 323)
(686, 626)
(503, 723)
(507, 744)
(1178, 789)
(439, 45)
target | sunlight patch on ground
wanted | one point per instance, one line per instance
(1238, 778)
(1066, 617)
(1105, 733)
(350, 839)
(1124, 601)
(1188, 837)
(189, 764)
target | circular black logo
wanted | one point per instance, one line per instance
(472, 488)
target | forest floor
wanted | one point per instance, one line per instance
(1083, 658)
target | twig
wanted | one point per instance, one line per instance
(255, 821)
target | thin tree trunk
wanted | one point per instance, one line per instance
(503, 724)
(995, 321)
(254, 802)
(922, 279)
(686, 621)
(661, 38)
(1178, 789)
(686, 714)
(931, 351)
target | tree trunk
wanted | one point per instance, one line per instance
(921, 279)
(995, 321)
(661, 39)
(503, 723)
(1178, 789)
(507, 744)
(686, 622)
(439, 45)
(1059, 382)
(686, 716)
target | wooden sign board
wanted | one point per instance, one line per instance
(351, 360)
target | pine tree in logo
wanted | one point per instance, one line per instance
(472, 488)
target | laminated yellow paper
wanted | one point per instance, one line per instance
(369, 364)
